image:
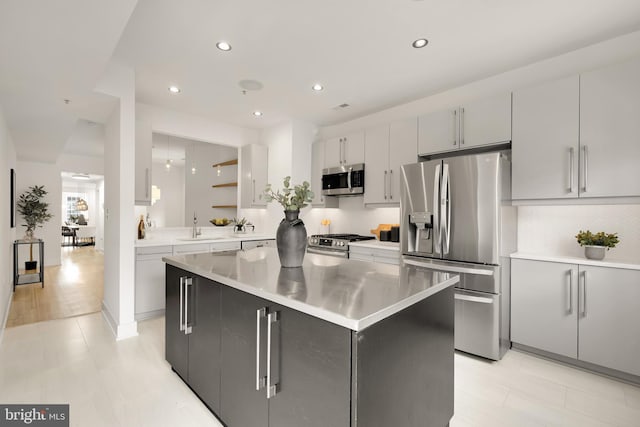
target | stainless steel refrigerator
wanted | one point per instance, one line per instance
(456, 216)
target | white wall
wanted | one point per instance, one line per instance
(119, 220)
(7, 234)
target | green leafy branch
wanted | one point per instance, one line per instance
(598, 239)
(291, 198)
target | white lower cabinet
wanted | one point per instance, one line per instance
(584, 312)
(150, 279)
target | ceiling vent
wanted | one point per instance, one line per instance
(341, 106)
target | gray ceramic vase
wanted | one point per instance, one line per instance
(594, 252)
(291, 239)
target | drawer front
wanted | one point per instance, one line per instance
(151, 250)
(191, 249)
(225, 246)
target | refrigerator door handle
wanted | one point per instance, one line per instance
(449, 268)
(445, 208)
(436, 213)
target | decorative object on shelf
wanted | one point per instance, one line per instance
(220, 222)
(240, 224)
(596, 244)
(141, 228)
(291, 237)
(35, 213)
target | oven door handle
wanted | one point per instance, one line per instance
(330, 252)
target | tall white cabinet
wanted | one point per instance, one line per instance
(584, 312)
(578, 137)
(317, 165)
(253, 170)
(387, 148)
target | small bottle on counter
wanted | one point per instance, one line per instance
(141, 228)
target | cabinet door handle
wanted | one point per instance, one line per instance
(253, 190)
(585, 158)
(569, 292)
(391, 184)
(583, 295)
(455, 127)
(462, 126)
(146, 183)
(188, 282)
(272, 374)
(571, 170)
(261, 380)
(181, 303)
(385, 185)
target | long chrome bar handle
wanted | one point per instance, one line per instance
(445, 207)
(385, 185)
(391, 184)
(253, 190)
(436, 212)
(585, 175)
(571, 154)
(583, 296)
(461, 126)
(569, 292)
(181, 303)
(272, 385)
(261, 380)
(188, 282)
(349, 178)
(455, 127)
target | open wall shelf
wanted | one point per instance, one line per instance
(227, 184)
(224, 206)
(227, 163)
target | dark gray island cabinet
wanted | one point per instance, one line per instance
(348, 344)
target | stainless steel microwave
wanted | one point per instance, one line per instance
(343, 180)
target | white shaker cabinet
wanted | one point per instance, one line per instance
(344, 150)
(610, 131)
(481, 122)
(317, 165)
(143, 147)
(387, 148)
(150, 281)
(544, 306)
(545, 146)
(254, 161)
(584, 312)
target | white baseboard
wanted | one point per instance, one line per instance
(120, 332)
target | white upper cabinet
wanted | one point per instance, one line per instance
(387, 147)
(344, 150)
(545, 146)
(481, 122)
(254, 161)
(143, 163)
(317, 164)
(610, 131)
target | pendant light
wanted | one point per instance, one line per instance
(193, 159)
(168, 163)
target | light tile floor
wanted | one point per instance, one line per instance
(128, 383)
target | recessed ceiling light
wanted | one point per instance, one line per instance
(317, 87)
(174, 89)
(223, 46)
(257, 113)
(420, 43)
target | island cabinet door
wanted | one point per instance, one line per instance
(203, 317)
(310, 362)
(243, 401)
(176, 341)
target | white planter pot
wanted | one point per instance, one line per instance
(594, 252)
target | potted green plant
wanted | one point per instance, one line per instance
(35, 213)
(595, 244)
(291, 236)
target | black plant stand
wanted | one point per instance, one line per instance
(23, 279)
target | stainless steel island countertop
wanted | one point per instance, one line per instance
(353, 294)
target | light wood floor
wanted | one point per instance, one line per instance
(73, 288)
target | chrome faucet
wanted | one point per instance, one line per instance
(195, 232)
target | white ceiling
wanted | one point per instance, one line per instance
(358, 49)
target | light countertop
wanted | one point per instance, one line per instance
(185, 240)
(352, 294)
(576, 260)
(377, 244)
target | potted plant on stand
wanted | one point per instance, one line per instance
(35, 213)
(291, 237)
(596, 244)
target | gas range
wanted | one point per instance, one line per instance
(334, 244)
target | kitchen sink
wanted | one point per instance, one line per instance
(199, 238)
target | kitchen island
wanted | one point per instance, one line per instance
(337, 342)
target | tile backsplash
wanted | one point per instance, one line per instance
(552, 229)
